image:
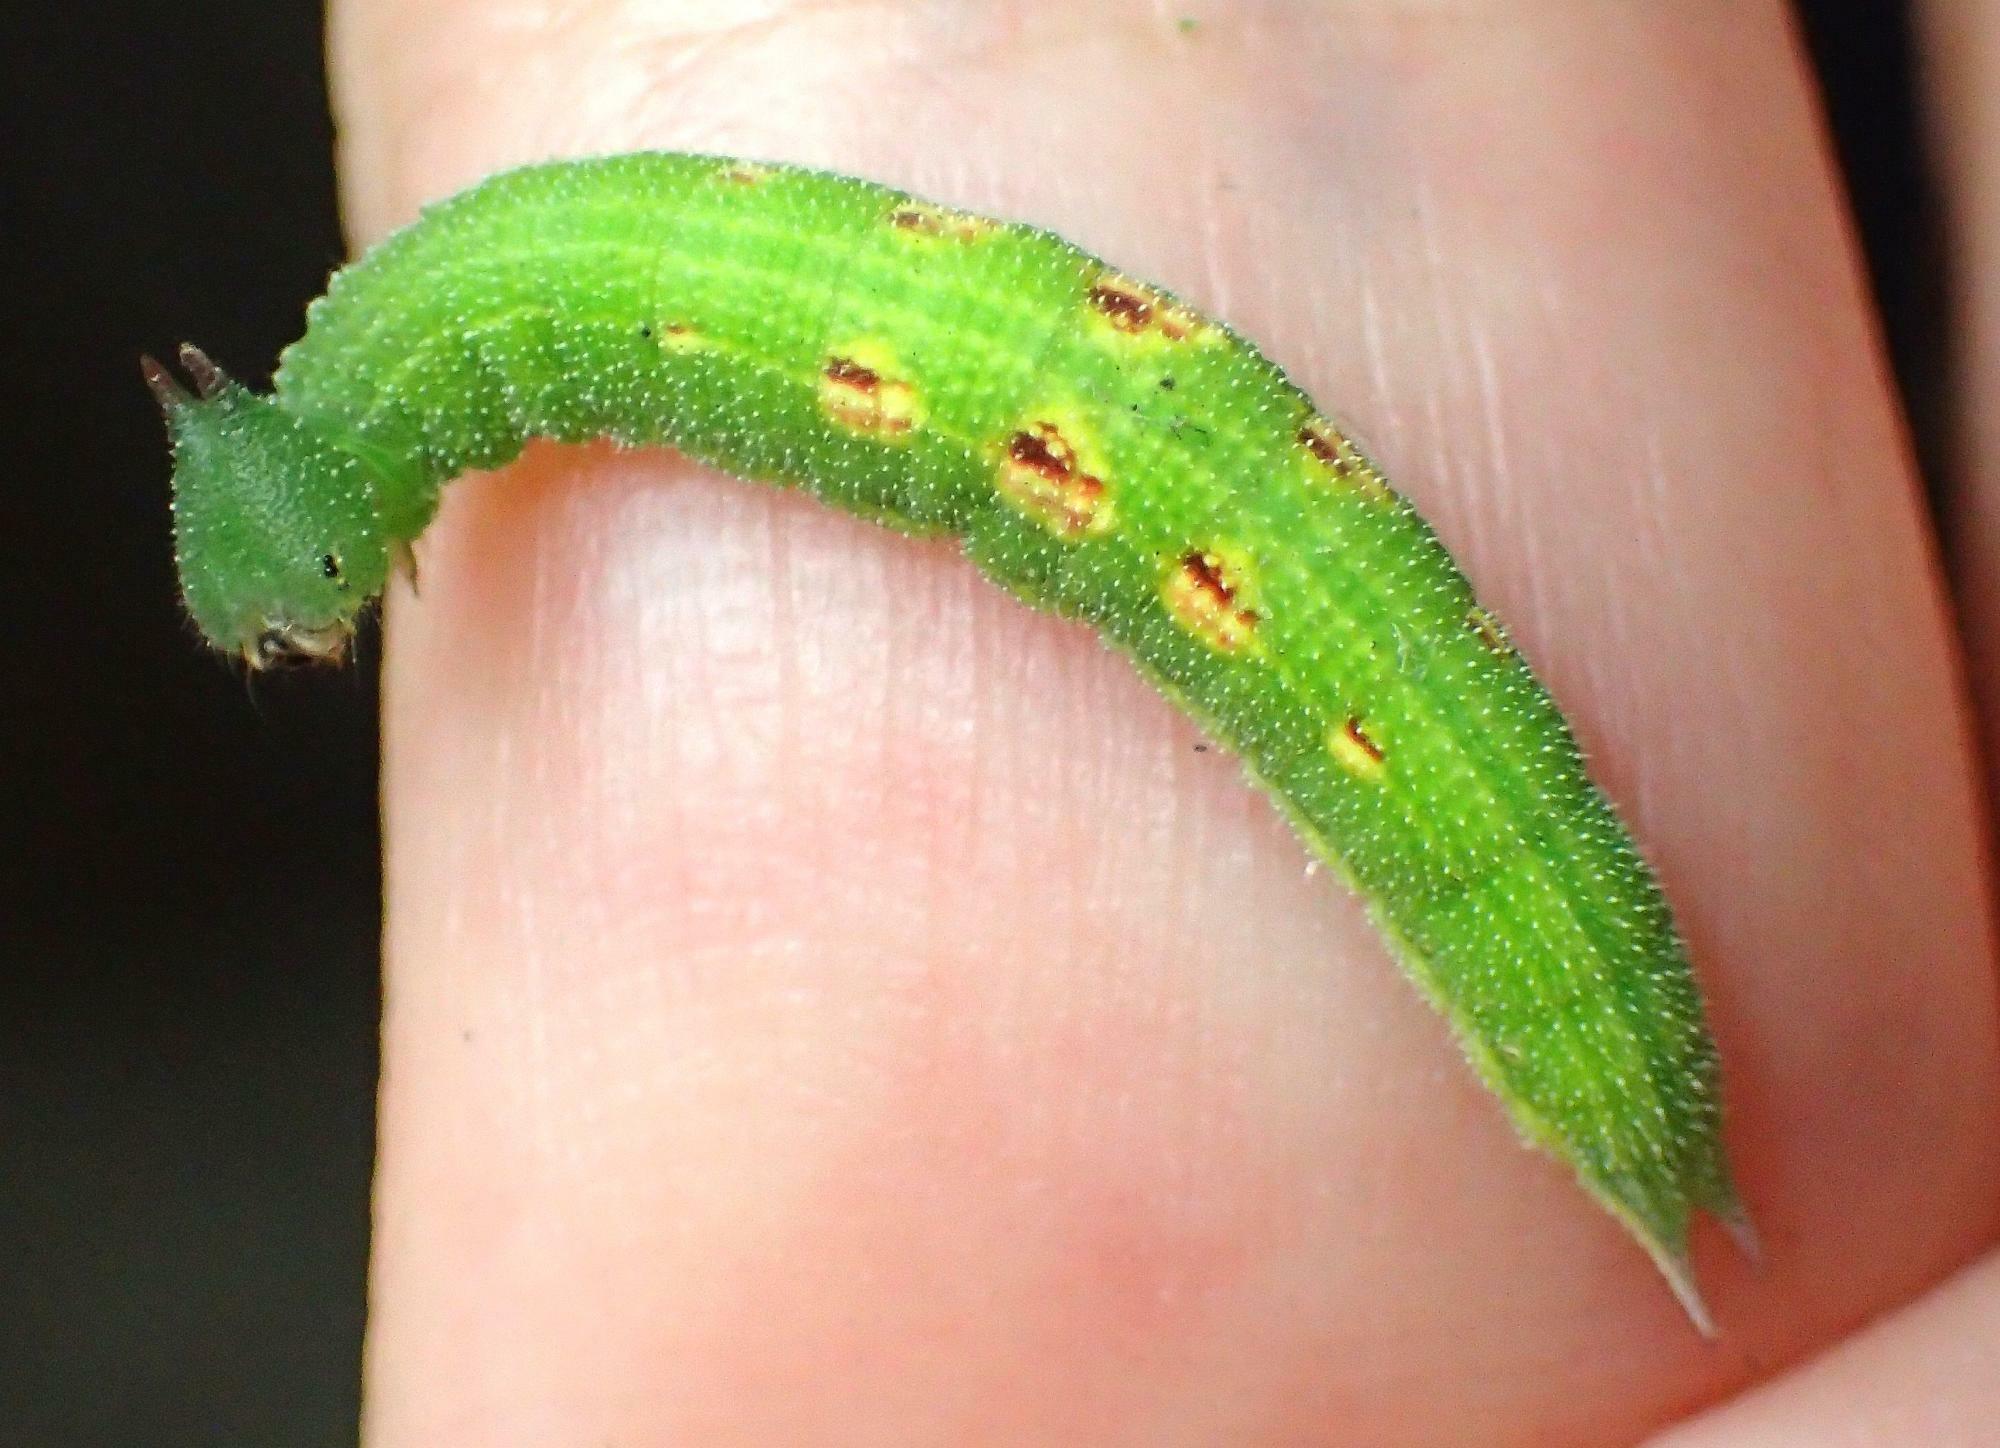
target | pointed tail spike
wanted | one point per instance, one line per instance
(1679, 1272)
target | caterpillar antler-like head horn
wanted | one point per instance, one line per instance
(165, 389)
(209, 379)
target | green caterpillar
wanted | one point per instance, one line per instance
(1101, 450)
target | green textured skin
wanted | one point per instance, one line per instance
(891, 356)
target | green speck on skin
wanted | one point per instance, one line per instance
(1189, 25)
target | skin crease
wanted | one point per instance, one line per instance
(827, 1002)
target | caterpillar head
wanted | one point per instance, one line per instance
(275, 525)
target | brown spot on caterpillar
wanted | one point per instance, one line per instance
(924, 218)
(858, 394)
(1355, 751)
(1321, 445)
(1126, 310)
(1486, 628)
(1202, 593)
(1041, 476)
(849, 373)
(1135, 309)
(1330, 450)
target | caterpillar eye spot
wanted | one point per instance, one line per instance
(1202, 593)
(329, 566)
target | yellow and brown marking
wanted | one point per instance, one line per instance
(858, 390)
(1486, 628)
(1334, 454)
(1203, 592)
(1355, 751)
(1134, 309)
(924, 218)
(745, 173)
(1041, 475)
(677, 337)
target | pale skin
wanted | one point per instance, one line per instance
(829, 1003)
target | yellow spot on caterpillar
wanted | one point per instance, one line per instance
(1332, 453)
(1486, 628)
(1041, 474)
(745, 173)
(926, 219)
(1131, 308)
(678, 337)
(1203, 592)
(1354, 751)
(859, 389)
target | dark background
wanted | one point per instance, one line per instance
(188, 867)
